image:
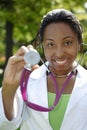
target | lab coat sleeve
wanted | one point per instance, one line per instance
(5, 124)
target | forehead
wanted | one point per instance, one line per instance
(58, 29)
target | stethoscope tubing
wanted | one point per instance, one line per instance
(23, 84)
(25, 79)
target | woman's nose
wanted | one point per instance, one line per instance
(59, 52)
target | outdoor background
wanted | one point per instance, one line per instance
(20, 20)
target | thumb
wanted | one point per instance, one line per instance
(35, 67)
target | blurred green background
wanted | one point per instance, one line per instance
(20, 20)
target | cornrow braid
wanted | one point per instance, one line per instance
(61, 15)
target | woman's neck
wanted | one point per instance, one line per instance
(60, 81)
(61, 73)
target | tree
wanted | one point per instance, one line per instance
(18, 16)
(7, 6)
(22, 18)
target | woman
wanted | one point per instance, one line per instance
(61, 36)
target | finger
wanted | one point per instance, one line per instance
(35, 67)
(16, 59)
(30, 47)
(22, 50)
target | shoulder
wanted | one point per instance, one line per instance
(82, 73)
(81, 69)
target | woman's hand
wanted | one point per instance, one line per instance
(11, 79)
(15, 67)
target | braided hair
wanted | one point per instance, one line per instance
(61, 15)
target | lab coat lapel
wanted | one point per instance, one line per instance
(76, 99)
(77, 93)
(38, 94)
(37, 88)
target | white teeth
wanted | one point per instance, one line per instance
(60, 62)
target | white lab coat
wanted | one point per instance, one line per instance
(75, 117)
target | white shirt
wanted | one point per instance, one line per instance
(75, 117)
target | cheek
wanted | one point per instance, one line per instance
(73, 54)
(48, 55)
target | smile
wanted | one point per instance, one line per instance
(60, 62)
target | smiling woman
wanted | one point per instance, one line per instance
(60, 47)
(47, 97)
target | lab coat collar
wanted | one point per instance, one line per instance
(39, 72)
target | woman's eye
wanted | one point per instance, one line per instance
(68, 43)
(50, 44)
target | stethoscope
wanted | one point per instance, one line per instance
(31, 58)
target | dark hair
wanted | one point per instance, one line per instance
(61, 15)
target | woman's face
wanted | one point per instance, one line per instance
(60, 47)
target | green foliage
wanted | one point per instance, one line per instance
(26, 16)
(2, 49)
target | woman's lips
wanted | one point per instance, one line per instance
(60, 62)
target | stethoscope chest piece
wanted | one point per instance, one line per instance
(32, 57)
